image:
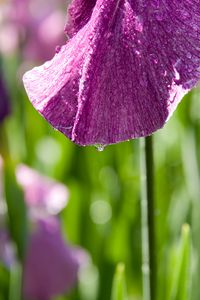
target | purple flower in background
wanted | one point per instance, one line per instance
(7, 254)
(36, 26)
(125, 68)
(4, 99)
(43, 195)
(51, 267)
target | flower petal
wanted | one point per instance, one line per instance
(43, 195)
(79, 12)
(132, 63)
(50, 267)
(53, 87)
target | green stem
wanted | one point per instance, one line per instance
(147, 219)
(3, 142)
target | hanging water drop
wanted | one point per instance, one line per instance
(100, 147)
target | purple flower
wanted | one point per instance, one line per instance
(121, 75)
(7, 254)
(43, 195)
(4, 99)
(33, 25)
(51, 267)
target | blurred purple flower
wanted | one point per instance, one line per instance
(51, 267)
(7, 254)
(4, 99)
(123, 72)
(43, 195)
(36, 26)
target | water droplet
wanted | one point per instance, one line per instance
(189, 55)
(100, 147)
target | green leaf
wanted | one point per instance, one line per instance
(15, 282)
(178, 277)
(119, 291)
(17, 221)
(4, 279)
(185, 254)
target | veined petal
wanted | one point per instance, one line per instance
(132, 63)
(53, 88)
(79, 12)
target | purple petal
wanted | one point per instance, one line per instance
(79, 13)
(43, 195)
(7, 253)
(50, 267)
(123, 73)
(4, 100)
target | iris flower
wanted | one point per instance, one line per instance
(43, 195)
(126, 66)
(51, 264)
(7, 254)
(51, 267)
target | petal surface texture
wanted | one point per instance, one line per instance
(123, 72)
(79, 12)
